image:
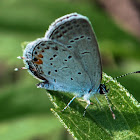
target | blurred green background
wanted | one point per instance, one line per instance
(25, 110)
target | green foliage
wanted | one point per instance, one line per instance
(98, 122)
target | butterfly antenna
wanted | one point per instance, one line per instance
(113, 115)
(127, 74)
(124, 75)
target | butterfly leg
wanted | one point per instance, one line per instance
(88, 103)
(70, 102)
(98, 101)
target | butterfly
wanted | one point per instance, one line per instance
(67, 59)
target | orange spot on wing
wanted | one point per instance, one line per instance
(40, 55)
(39, 61)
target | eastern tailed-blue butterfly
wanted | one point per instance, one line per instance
(67, 59)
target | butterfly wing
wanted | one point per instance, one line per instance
(75, 34)
(60, 67)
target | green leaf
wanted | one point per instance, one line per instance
(98, 122)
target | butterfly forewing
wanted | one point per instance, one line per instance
(75, 34)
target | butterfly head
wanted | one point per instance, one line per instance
(102, 89)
